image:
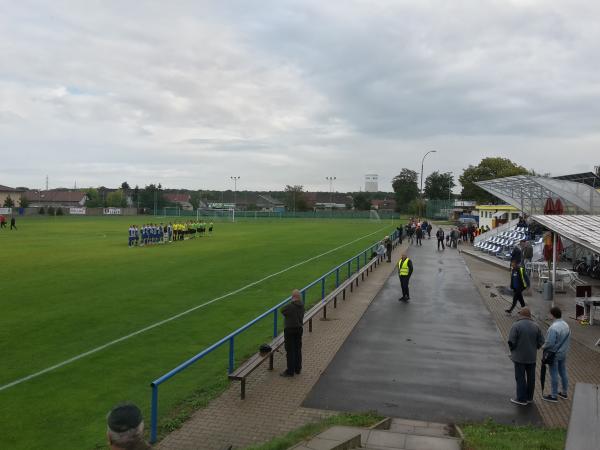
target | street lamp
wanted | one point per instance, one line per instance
(331, 180)
(234, 190)
(422, 162)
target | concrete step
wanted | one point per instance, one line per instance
(420, 428)
(335, 438)
(416, 436)
(390, 440)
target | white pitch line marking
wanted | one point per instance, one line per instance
(176, 316)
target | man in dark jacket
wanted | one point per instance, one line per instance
(524, 340)
(516, 255)
(405, 270)
(519, 281)
(388, 248)
(440, 238)
(419, 234)
(293, 313)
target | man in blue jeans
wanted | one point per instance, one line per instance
(557, 340)
(524, 340)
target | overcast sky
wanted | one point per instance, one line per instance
(189, 94)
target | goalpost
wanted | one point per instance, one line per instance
(171, 211)
(374, 216)
(228, 214)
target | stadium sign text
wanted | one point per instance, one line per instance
(112, 211)
(77, 211)
(5, 210)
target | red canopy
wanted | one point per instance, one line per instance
(558, 207)
(549, 206)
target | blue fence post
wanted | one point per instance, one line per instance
(322, 288)
(275, 323)
(337, 276)
(154, 414)
(304, 296)
(349, 269)
(231, 354)
(365, 257)
(358, 263)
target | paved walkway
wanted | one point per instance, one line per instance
(273, 404)
(583, 363)
(437, 358)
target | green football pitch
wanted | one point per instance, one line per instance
(70, 285)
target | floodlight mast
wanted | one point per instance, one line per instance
(234, 178)
(331, 180)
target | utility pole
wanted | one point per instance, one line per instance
(422, 162)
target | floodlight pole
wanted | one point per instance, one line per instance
(422, 163)
(234, 178)
(331, 180)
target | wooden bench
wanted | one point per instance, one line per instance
(248, 366)
(584, 424)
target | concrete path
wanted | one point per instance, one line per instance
(439, 357)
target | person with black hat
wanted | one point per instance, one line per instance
(126, 428)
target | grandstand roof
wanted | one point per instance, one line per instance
(589, 178)
(529, 193)
(9, 189)
(583, 230)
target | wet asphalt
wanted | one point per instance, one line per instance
(437, 358)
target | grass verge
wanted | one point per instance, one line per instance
(312, 429)
(492, 436)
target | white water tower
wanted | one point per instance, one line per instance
(371, 182)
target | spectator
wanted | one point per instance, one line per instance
(126, 428)
(419, 234)
(440, 238)
(400, 231)
(293, 313)
(524, 340)
(557, 343)
(429, 228)
(2, 221)
(527, 253)
(388, 248)
(13, 223)
(380, 249)
(519, 281)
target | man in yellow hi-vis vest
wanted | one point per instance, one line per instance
(405, 270)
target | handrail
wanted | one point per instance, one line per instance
(231, 336)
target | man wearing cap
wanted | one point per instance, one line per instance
(293, 313)
(524, 340)
(126, 428)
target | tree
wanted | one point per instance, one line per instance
(116, 199)
(406, 189)
(125, 186)
(8, 202)
(23, 202)
(487, 169)
(151, 194)
(439, 185)
(361, 201)
(93, 198)
(295, 199)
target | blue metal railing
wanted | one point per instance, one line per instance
(230, 338)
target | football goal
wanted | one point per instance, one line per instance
(374, 216)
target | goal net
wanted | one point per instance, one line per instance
(374, 216)
(223, 214)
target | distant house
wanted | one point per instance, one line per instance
(265, 202)
(184, 201)
(326, 200)
(14, 194)
(55, 198)
(387, 204)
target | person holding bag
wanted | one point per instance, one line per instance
(555, 355)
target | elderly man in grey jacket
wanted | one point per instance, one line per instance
(524, 340)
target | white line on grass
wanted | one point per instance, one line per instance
(176, 316)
